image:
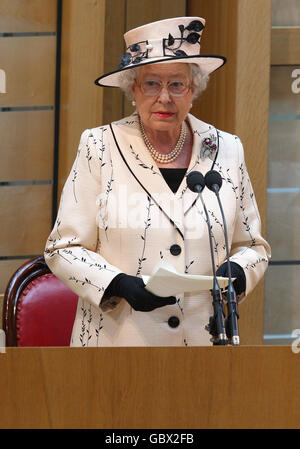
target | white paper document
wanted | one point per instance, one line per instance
(165, 281)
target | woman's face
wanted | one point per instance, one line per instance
(163, 111)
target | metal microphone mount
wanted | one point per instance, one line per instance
(216, 325)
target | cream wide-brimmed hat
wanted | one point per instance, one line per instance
(169, 40)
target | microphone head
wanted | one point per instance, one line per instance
(213, 179)
(195, 181)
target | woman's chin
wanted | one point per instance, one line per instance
(163, 123)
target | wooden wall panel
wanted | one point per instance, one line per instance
(26, 150)
(115, 19)
(237, 101)
(252, 90)
(25, 219)
(285, 45)
(217, 103)
(140, 12)
(19, 16)
(7, 268)
(251, 124)
(82, 61)
(30, 73)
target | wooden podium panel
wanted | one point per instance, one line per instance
(131, 388)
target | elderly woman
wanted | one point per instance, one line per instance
(126, 208)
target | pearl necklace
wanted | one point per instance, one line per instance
(164, 158)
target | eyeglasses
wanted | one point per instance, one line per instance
(176, 88)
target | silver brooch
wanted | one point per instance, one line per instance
(208, 147)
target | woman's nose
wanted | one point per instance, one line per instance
(164, 95)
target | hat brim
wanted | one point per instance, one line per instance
(207, 63)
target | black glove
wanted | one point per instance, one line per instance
(236, 272)
(133, 290)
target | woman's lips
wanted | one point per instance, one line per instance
(164, 114)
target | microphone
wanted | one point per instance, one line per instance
(196, 183)
(213, 181)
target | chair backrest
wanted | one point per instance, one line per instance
(38, 309)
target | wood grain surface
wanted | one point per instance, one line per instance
(30, 73)
(25, 221)
(82, 59)
(285, 45)
(173, 388)
(27, 141)
(23, 16)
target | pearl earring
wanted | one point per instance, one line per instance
(133, 103)
(191, 106)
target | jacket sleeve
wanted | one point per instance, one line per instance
(72, 248)
(248, 249)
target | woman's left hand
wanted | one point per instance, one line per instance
(237, 272)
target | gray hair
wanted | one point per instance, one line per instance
(199, 80)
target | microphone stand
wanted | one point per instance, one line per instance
(216, 325)
(231, 323)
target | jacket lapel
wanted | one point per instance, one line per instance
(201, 131)
(130, 144)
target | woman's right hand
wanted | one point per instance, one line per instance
(132, 288)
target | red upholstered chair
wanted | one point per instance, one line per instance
(38, 309)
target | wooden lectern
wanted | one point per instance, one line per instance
(150, 388)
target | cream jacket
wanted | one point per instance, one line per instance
(117, 214)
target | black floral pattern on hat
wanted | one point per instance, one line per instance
(135, 56)
(173, 44)
(135, 53)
